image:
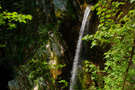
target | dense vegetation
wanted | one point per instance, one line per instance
(116, 29)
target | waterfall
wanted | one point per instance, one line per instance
(78, 49)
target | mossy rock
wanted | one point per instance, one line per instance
(87, 79)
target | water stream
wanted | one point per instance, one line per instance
(79, 47)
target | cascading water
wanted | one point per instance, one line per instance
(78, 49)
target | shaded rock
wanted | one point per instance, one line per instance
(21, 81)
(60, 4)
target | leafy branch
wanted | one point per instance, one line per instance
(129, 63)
(9, 18)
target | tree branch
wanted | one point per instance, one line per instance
(129, 63)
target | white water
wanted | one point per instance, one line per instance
(78, 49)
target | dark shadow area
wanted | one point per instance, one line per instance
(5, 76)
(91, 2)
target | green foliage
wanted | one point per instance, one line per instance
(117, 29)
(64, 82)
(95, 74)
(42, 68)
(9, 18)
(38, 68)
(41, 65)
(131, 1)
(18, 44)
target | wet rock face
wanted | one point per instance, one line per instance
(51, 9)
(80, 6)
(60, 4)
(21, 81)
(55, 52)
